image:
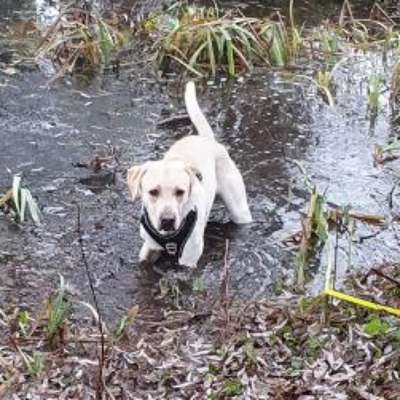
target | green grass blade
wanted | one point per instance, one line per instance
(278, 47)
(242, 57)
(58, 310)
(34, 210)
(186, 65)
(230, 58)
(24, 193)
(229, 53)
(106, 41)
(220, 42)
(244, 40)
(329, 268)
(211, 54)
(196, 54)
(16, 187)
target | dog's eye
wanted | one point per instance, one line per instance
(179, 192)
(154, 192)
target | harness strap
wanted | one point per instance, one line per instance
(175, 242)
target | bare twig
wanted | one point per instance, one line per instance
(383, 275)
(100, 380)
(377, 11)
(346, 11)
(390, 196)
(174, 120)
(224, 289)
(7, 197)
(335, 259)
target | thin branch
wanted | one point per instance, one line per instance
(224, 289)
(100, 380)
(174, 120)
(383, 275)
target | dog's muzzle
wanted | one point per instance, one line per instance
(167, 224)
(172, 243)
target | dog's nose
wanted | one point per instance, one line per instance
(168, 224)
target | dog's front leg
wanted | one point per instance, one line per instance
(150, 251)
(148, 254)
(193, 249)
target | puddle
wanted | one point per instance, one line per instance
(267, 121)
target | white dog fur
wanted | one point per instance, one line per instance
(169, 188)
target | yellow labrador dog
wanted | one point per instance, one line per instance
(178, 191)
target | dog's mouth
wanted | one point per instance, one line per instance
(167, 231)
(167, 225)
(171, 241)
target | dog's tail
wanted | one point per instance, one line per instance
(196, 115)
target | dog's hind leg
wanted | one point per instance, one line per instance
(232, 190)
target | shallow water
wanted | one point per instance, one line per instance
(267, 121)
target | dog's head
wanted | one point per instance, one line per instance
(165, 188)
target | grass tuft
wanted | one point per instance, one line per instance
(329, 40)
(314, 231)
(205, 43)
(125, 321)
(33, 363)
(20, 201)
(324, 85)
(80, 40)
(58, 311)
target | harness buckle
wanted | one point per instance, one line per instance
(171, 248)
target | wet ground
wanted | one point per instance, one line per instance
(268, 121)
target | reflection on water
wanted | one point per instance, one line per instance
(309, 12)
(44, 12)
(47, 11)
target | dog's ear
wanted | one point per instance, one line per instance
(194, 174)
(134, 178)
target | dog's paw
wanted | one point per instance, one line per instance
(244, 218)
(189, 262)
(148, 255)
(188, 265)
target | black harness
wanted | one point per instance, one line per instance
(172, 243)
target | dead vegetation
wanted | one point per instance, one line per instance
(205, 42)
(386, 153)
(80, 40)
(208, 41)
(276, 349)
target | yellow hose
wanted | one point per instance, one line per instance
(361, 302)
